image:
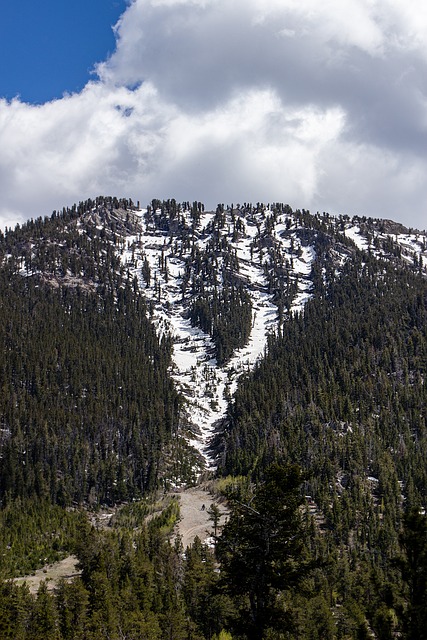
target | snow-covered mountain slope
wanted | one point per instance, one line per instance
(217, 282)
(273, 251)
(206, 385)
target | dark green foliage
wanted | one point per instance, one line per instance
(15, 611)
(414, 570)
(343, 382)
(200, 594)
(262, 553)
(86, 403)
(227, 317)
(341, 392)
(34, 533)
(214, 515)
(129, 588)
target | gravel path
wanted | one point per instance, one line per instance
(194, 519)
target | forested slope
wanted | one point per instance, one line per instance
(299, 340)
(87, 405)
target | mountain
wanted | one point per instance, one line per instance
(144, 348)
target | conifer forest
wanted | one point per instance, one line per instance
(276, 358)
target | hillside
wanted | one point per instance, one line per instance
(144, 348)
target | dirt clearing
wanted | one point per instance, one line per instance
(194, 519)
(52, 573)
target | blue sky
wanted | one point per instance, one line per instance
(50, 47)
(322, 105)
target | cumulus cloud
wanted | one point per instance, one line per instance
(322, 105)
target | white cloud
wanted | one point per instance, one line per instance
(318, 104)
(365, 180)
(348, 22)
(104, 139)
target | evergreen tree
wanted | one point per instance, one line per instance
(414, 568)
(261, 551)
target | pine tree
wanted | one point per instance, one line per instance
(262, 552)
(414, 569)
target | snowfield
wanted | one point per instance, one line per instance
(206, 386)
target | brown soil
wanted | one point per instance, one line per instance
(194, 519)
(52, 573)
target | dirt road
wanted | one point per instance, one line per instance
(194, 519)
